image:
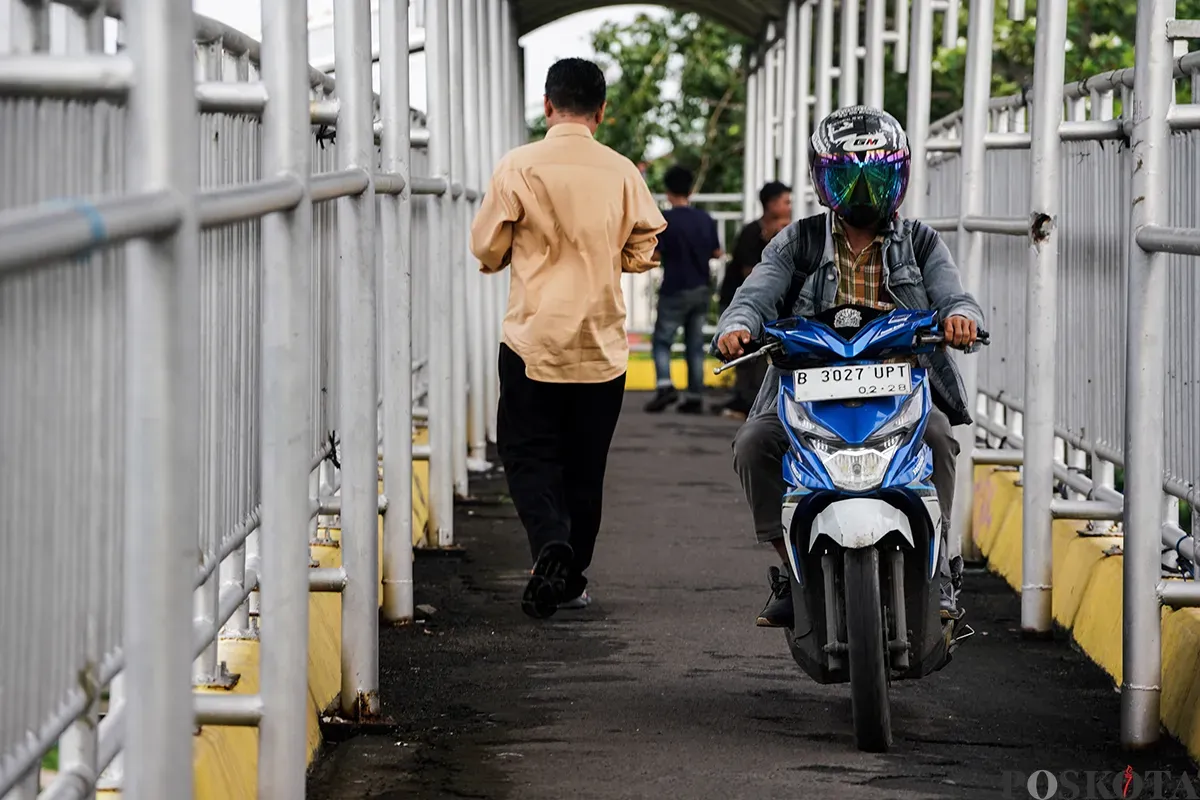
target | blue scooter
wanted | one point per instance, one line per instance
(861, 515)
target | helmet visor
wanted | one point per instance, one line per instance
(884, 175)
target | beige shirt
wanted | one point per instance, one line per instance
(569, 215)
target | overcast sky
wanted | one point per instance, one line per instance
(567, 37)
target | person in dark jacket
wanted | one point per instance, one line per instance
(776, 201)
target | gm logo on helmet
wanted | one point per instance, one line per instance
(861, 142)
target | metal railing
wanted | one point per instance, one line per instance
(1097, 369)
(227, 280)
(1074, 225)
(254, 276)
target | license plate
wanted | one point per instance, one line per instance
(846, 383)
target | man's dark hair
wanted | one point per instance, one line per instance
(679, 181)
(576, 86)
(772, 190)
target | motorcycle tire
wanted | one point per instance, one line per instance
(866, 638)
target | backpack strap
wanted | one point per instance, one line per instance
(812, 241)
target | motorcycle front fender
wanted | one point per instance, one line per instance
(858, 522)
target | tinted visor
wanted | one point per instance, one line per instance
(880, 178)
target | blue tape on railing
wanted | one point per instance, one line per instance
(95, 222)
(94, 219)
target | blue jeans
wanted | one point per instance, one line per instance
(688, 310)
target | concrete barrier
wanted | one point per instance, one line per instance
(1087, 597)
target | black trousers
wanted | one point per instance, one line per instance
(553, 440)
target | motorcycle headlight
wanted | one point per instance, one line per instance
(857, 469)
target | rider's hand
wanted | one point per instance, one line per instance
(732, 344)
(960, 331)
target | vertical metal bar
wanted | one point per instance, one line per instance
(977, 89)
(78, 747)
(763, 125)
(950, 25)
(511, 94)
(206, 599)
(1016, 10)
(1145, 371)
(113, 776)
(920, 90)
(1078, 464)
(769, 109)
(475, 319)
(162, 510)
(824, 69)
(1041, 303)
(495, 298)
(790, 91)
(799, 143)
(900, 54)
(522, 120)
(441, 388)
(287, 408)
(750, 203)
(357, 357)
(873, 68)
(458, 245)
(396, 293)
(848, 78)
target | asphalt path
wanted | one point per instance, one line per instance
(665, 688)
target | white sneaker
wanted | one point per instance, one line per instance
(583, 601)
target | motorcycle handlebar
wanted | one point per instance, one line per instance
(982, 337)
(756, 349)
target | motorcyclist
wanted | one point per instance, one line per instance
(859, 251)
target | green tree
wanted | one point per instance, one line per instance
(703, 119)
(1099, 39)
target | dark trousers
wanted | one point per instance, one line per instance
(553, 440)
(688, 310)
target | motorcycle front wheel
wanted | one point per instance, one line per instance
(866, 638)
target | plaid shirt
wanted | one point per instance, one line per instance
(860, 280)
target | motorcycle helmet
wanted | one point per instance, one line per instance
(858, 160)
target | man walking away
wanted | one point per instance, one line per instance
(569, 215)
(685, 248)
(776, 201)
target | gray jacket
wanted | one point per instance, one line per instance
(918, 271)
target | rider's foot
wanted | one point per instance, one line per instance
(663, 396)
(951, 587)
(693, 405)
(547, 586)
(778, 612)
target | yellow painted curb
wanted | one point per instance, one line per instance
(640, 376)
(1088, 597)
(226, 758)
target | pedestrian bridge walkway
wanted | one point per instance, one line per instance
(248, 380)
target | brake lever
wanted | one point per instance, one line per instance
(752, 351)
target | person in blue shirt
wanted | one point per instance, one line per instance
(684, 248)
